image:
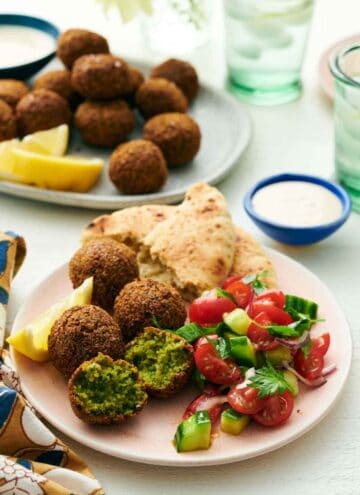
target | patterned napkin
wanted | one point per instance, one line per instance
(32, 460)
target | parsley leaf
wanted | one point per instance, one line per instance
(192, 332)
(295, 329)
(255, 281)
(269, 381)
(306, 348)
(156, 322)
(224, 293)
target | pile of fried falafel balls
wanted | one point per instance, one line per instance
(102, 90)
(110, 351)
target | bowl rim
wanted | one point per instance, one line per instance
(32, 22)
(327, 184)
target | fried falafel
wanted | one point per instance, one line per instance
(159, 95)
(58, 81)
(111, 263)
(101, 77)
(104, 123)
(74, 43)
(12, 90)
(164, 360)
(181, 73)
(41, 109)
(177, 135)
(7, 122)
(142, 301)
(104, 391)
(138, 167)
(80, 334)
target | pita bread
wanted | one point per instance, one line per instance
(194, 247)
(250, 258)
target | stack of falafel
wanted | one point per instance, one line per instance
(103, 90)
(110, 352)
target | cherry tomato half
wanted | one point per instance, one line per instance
(260, 336)
(241, 292)
(310, 367)
(245, 400)
(276, 296)
(276, 410)
(275, 314)
(215, 369)
(230, 280)
(204, 402)
(210, 310)
(322, 343)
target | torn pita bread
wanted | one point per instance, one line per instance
(194, 247)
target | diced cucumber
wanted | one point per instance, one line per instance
(233, 422)
(194, 433)
(230, 335)
(301, 305)
(238, 321)
(278, 355)
(292, 381)
(243, 350)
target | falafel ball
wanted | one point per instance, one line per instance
(7, 122)
(165, 361)
(74, 43)
(103, 391)
(12, 90)
(181, 73)
(137, 78)
(101, 77)
(41, 109)
(80, 334)
(141, 301)
(177, 135)
(104, 123)
(111, 263)
(58, 81)
(160, 96)
(138, 167)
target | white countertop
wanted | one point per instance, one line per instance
(294, 137)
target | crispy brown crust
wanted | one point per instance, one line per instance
(137, 78)
(177, 135)
(101, 77)
(58, 81)
(74, 43)
(41, 109)
(181, 73)
(111, 263)
(157, 96)
(80, 334)
(7, 122)
(92, 419)
(138, 167)
(12, 90)
(140, 300)
(104, 123)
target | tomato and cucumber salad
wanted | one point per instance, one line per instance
(252, 347)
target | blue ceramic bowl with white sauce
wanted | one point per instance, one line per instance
(27, 44)
(297, 209)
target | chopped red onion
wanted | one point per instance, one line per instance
(310, 383)
(329, 369)
(294, 344)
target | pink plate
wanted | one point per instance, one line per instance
(147, 438)
(326, 78)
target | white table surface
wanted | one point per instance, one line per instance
(294, 137)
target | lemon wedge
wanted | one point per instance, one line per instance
(50, 142)
(63, 173)
(7, 159)
(32, 340)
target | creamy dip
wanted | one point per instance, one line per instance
(297, 204)
(21, 45)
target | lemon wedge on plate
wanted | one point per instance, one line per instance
(32, 340)
(62, 173)
(7, 159)
(50, 142)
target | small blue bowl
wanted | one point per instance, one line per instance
(297, 236)
(27, 70)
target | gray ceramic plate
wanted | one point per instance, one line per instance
(226, 130)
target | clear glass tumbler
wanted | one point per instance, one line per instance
(265, 45)
(345, 68)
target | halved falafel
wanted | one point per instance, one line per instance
(41, 109)
(177, 135)
(181, 73)
(111, 263)
(103, 391)
(139, 302)
(159, 95)
(7, 122)
(74, 43)
(80, 334)
(138, 167)
(164, 360)
(101, 77)
(58, 81)
(12, 90)
(104, 123)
